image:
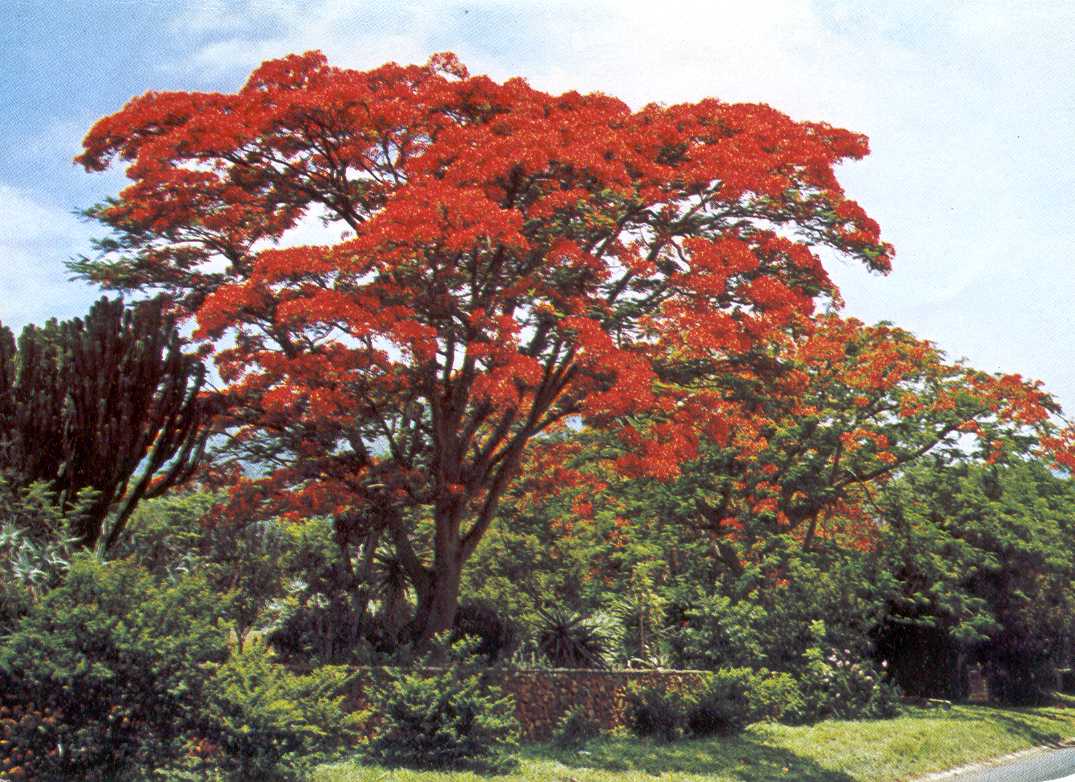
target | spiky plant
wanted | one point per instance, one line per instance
(569, 639)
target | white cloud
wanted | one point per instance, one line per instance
(22, 219)
(35, 239)
(256, 30)
(60, 140)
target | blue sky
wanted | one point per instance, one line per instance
(970, 107)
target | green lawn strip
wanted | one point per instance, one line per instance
(835, 751)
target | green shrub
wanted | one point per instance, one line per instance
(718, 632)
(732, 698)
(242, 561)
(446, 718)
(113, 665)
(777, 696)
(575, 728)
(36, 545)
(655, 712)
(316, 622)
(835, 685)
(723, 707)
(262, 721)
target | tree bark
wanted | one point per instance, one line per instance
(438, 603)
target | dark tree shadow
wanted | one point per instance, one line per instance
(1059, 728)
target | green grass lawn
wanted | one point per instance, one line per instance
(880, 751)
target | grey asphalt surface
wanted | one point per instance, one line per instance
(1044, 766)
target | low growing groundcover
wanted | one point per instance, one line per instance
(921, 741)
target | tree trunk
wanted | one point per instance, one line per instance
(437, 605)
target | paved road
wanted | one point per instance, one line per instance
(1044, 766)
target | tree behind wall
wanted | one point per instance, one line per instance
(109, 402)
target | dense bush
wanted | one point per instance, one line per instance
(655, 712)
(778, 697)
(113, 665)
(261, 721)
(319, 620)
(716, 632)
(732, 698)
(729, 700)
(444, 718)
(118, 674)
(243, 562)
(36, 545)
(575, 728)
(835, 684)
(723, 707)
(497, 634)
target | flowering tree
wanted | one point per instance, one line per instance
(514, 259)
(808, 440)
(796, 442)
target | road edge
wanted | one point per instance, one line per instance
(1001, 760)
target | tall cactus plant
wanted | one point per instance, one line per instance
(109, 402)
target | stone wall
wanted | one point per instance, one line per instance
(542, 697)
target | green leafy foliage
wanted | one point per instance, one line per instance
(443, 718)
(116, 661)
(319, 619)
(261, 721)
(723, 707)
(641, 612)
(655, 712)
(36, 546)
(716, 631)
(575, 728)
(119, 673)
(727, 701)
(246, 564)
(983, 558)
(498, 635)
(777, 696)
